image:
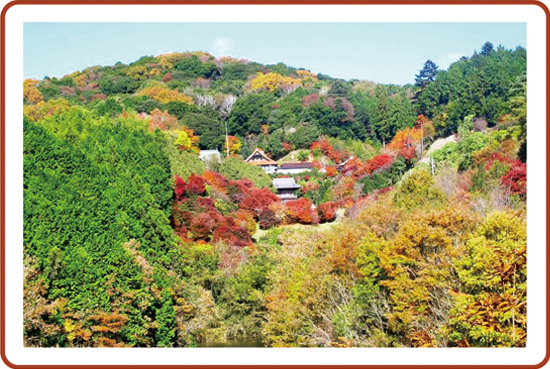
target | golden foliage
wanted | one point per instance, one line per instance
(234, 145)
(306, 74)
(137, 72)
(272, 81)
(44, 109)
(30, 93)
(186, 140)
(494, 273)
(165, 95)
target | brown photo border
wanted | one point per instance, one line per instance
(247, 2)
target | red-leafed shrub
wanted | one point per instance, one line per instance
(327, 150)
(180, 220)
(331, 172)
(167, 77)
(327, 211)
(309, 99)
(287, 147)
(181, 186)
(99, 97)
(258, 199)
(195, 185)
(216, 180)
(234, 236)
(407, 153)
(204, 205)
(301, 211)
(268, 219)
(201, 226)
(516, 179)
(379, 162)
(490, 159)
(229, 221)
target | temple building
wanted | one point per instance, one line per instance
(286, 189)
(259, 158)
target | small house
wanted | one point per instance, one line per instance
(207, 155)
(286, 188)
(259, 158)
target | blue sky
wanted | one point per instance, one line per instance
(381, 52)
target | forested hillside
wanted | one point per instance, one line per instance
(132, 239)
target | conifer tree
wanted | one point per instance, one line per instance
(427, 74)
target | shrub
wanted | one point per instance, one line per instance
(301, 211)
(245, 219)
(195, 185)
(418, 189)
(327, 211)
(201, 226)
(516, 179)
(233, 235)
(257, 200)
(268, 219)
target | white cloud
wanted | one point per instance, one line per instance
(222, 46)
(443, 62)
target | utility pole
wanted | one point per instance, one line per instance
(421, 139)
(226, 138)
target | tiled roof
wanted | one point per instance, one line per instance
(261, 153)
(296, 166)
(262, 162)
(285, 183)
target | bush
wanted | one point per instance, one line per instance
(301, 211)
(419, 189)
(268, 219)
(257, 200)
(327, 211)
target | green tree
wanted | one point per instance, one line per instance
(427, 74)
(166, 318)
(210, 130)
(487, 49)
(249, 114)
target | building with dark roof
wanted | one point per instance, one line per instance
(286, 189)
(294, 168)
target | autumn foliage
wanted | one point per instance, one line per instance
(256, 200)
(301, 211)
(165, 95)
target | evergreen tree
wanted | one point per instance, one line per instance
(487, 49)
(166, 317)
(427, 74)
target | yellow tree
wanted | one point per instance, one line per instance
(272, 81)
(165, 95)
(186, 140)
(234, 145)
(30, 93)
(492, 310)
